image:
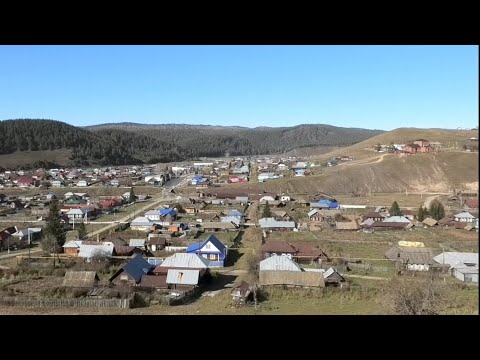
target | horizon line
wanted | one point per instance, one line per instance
(238, 126)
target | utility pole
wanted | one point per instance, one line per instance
(28, 235)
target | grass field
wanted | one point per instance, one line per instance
(29, 157)
(367, 300)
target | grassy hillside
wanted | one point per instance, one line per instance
(438, 172)
(364, 149)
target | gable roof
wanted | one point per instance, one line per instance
(230, 219)
(234, 212)
(455, 258)
(272, 223)
(464, 215)
(410, 255)
(136, 268)
(88, 250)
(185, 260)
(313, 212)
(141, 221)
(137, 242)
(73, 244)
(80, 278)
(400, 219)
(218, 225)
(279, 263)
(213, 239)
(168, 211)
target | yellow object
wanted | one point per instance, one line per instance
(411, 244)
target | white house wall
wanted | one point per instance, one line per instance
(212, 247)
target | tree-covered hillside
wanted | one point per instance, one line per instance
(118, 144)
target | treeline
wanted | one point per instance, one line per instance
(136, 144)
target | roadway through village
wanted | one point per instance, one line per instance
(156, 200)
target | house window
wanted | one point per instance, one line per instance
(207, 246)
(213, 257)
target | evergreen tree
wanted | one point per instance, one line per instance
(266, 211)
(395, 210)
(82, 231)
(132, 196)
(422, 213)
(436, 211)
(53, 227)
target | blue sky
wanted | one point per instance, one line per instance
(374, 87)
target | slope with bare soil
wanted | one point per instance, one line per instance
(439, 172)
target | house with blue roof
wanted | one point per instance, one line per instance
(131, 273)
(234, 213)
(324, 204)
(212, 250)
(168, 214)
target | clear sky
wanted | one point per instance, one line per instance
(373, 87)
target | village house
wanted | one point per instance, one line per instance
(280, 215)
(282, 271)
(272, 224)
(375, 216)
(471, 203)
(211, 249)
(91, 249)
(299, 252)
(219, 226)
(72, 248)
(410, 258)
(26, 181)
(153, 215)
(141, 223)
(332, 277)
(464, 217)
(57, 183)
(82, 183)
(462, 265)
(80, 215)
(131, 273)
(347, 225)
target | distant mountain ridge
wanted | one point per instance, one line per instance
(131, 143)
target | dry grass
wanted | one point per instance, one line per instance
(400, 136)
(29, 157)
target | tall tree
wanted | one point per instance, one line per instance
(82, 231)
(395, 210)
(436, 210)
(132, 196)
(266, 211)
(53, 226)
(422, 213)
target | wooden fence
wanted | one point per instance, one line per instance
(67, 303)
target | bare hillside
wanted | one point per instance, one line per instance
(438, 172)
(364, 149)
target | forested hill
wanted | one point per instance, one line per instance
(127, 143)
(209, 140)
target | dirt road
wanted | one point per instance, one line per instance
(164, 195)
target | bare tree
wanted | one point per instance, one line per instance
(420, 295)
